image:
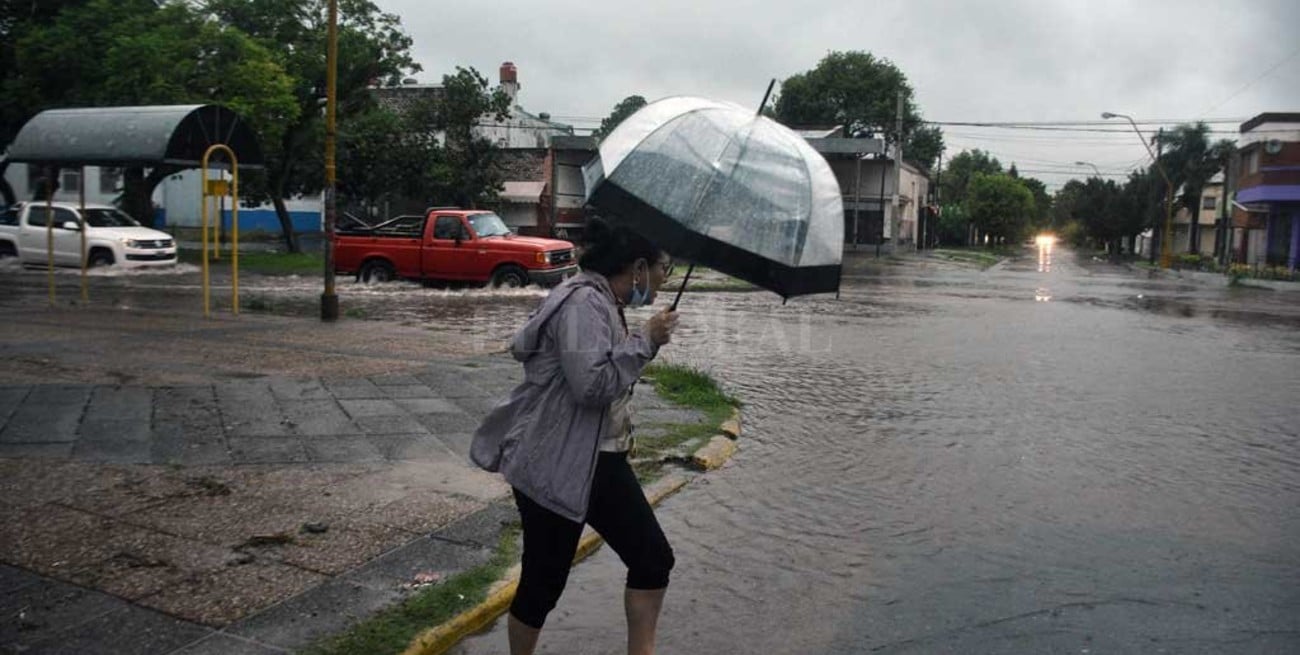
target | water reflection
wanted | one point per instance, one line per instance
(1044, 255)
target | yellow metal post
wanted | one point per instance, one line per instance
(85, 293)
(210, 188)
(203, 231)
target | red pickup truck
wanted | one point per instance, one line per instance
(451, 245)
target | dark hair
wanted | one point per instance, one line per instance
(610, 249)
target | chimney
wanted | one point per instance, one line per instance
(510, 80)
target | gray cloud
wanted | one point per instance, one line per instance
(968, 61)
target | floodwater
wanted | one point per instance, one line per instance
(1052, 456)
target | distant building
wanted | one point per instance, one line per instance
(869, 179)
(1207, 211)
(1266, 214)
(526, 155)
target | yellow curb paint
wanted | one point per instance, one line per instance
(714, 454)
(731, 426)
(441, 638)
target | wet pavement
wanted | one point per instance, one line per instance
(1051, 455)
(1061, 456)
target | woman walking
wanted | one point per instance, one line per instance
(562, 437)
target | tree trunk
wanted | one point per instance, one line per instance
(138, 188)
(276, 184)
(286, 223)
(6, 190)
(136, 200)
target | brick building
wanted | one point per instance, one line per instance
(1266, 216)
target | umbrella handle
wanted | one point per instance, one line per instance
(683, 288)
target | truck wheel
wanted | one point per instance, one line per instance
(377, 271)
(510, 277)
(100, 258)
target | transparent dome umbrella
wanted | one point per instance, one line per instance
(717, 185)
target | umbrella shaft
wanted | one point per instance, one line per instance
(679, 291)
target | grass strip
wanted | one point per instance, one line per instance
(691, 388)
(393, 629)
(264, 263)
(981, 257)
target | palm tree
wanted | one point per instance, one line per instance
(1190, 161)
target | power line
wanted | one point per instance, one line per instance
(1251, 83)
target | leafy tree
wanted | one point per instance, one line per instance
(472, 175)
(625, 107)
(1064, 204)
(372, 49)
(859, 91)
(139, 52)
(961, 169)
(1000, 206)
(382, 156)
(924, 146)
(1141, 203)
(1042, 218)
(954, 223)
(1098, 209)
(1191, 160)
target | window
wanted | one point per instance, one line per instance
(110, 180)
(488, 225)
(109, 218)
(1252, 161)
(1209, 202)
(70, 181)
(447, 227)
(39, 216)
(9, 216)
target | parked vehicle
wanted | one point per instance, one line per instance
(451, 245)
(112, 237)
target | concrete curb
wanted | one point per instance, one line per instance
(441, 638)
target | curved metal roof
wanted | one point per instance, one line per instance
(134, 136)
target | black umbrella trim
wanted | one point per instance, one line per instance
(618, 206)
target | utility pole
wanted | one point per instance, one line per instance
(1223, 245)
(1157, 239)
(329, 300)
(895, 221)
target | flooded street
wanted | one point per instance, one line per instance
(1052, 455)
(1072, 459)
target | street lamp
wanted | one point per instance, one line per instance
(1088, 163)
(1169, 189)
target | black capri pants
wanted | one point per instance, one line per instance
(619, 511)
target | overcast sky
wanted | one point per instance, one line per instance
(1012, 60)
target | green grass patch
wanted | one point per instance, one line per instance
(393, 629)
(691, 388)
(687, 387)
(264, 263)
(981, 257)
(731, 284)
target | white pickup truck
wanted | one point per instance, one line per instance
(112, 237)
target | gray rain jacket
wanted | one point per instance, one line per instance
(577, 359)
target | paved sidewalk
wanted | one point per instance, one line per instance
(240, 507)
